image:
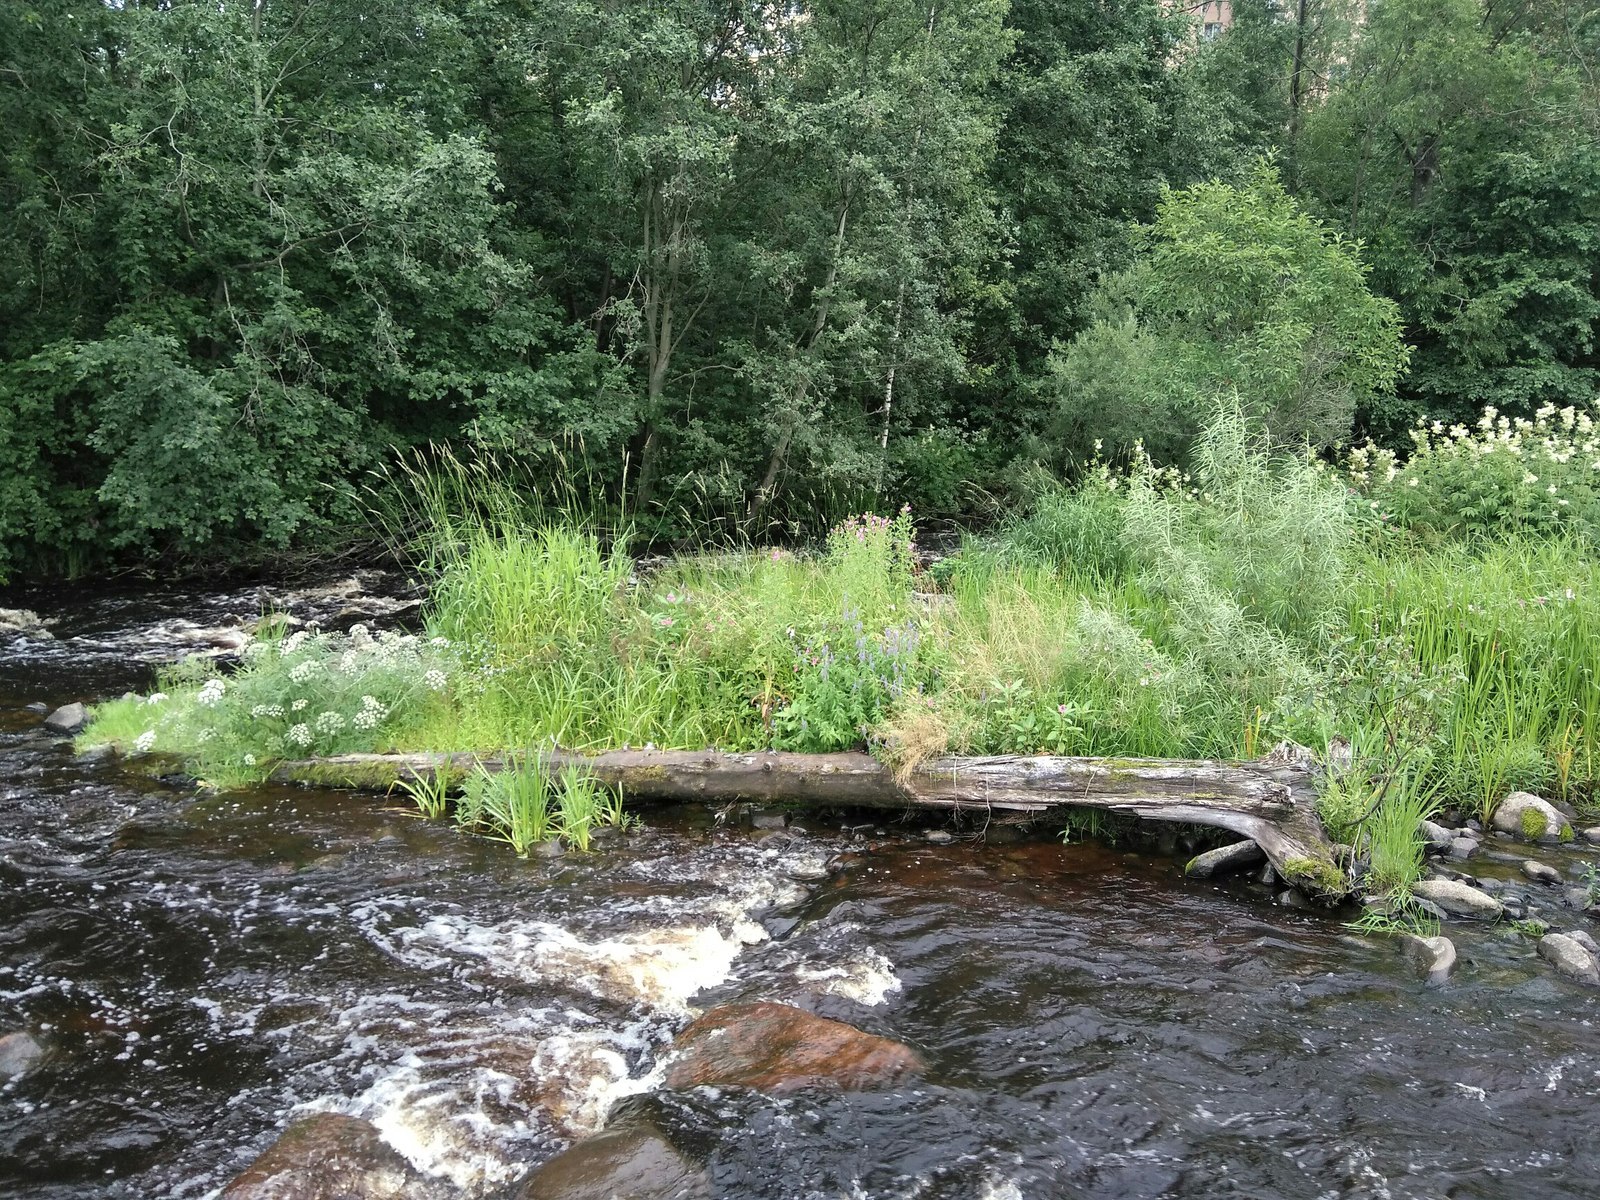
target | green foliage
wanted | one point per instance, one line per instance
(1237, 291)
(511, 804)
(429, 792)
(1461, 148)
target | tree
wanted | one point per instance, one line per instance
(1237, 291)
(1462, 150)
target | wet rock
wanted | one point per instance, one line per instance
(777, 1048)
(1292, 898)
(940, 837)
(1436, 956)
(329, 1156)
(20, 1053)
(38, 707)
(1570, 958)
(1540, 872)
(1224, 859)
(769, 818)
(69, 718)
(1458, 899)
(1584, 940)
(1463, 848)
(1576, 897)
(1436, 837)
(549, 849)
(1592, 835)
(632, 1163)
(1524, 815)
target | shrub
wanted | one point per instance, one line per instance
(1508, 477)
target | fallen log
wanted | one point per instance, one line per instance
(1269, 800)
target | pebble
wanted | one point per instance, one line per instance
(1463, 848)
(940, 837)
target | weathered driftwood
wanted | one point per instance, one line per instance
(1270, 800)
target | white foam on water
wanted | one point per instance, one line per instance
(867, 977)
(1000, 1189)
(476, 1091)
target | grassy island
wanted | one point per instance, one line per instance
(1147, 612)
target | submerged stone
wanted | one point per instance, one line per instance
(778, 1048)
(1223, 859)
(638, 1163)
(20, 1053)
(329, 1156)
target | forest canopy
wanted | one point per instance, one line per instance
(750, 265)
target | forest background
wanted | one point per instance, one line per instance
(741, 268)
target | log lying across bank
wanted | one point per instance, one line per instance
(1269, 800)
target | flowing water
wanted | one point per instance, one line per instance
(204, 967)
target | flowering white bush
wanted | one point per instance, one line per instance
(311, 693)
(1506, 473)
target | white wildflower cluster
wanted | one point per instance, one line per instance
(329, 723)
(263, 711)
(294, 643)
(155, 698)
(145, 741)
(1554, 436)
(435, 679)
(205, 735)
(298, 705)
(1555, 452)
(299, 735)
(211, 693)
(249, 760)
(303, 672)
(372, 713)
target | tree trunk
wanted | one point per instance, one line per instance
(1270, 800)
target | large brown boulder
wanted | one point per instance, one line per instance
(328, 1156)
(632, 1163)
(778, 1048)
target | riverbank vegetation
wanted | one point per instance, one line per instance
(1261, 596)
(747, 268)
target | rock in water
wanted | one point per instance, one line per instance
(1540, 872)
(636, 1163)
(1458, 899)
(1224, 859)
(1570, 957)
(20, 1053)
(328, 1156)
(1463, 848)
(777, 1048)
(1435, 955)
(1584, 940)
(69, 718)
(1437, 837)
(1524, 815)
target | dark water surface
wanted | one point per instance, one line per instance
(205, 966)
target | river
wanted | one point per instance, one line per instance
(204, 966)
